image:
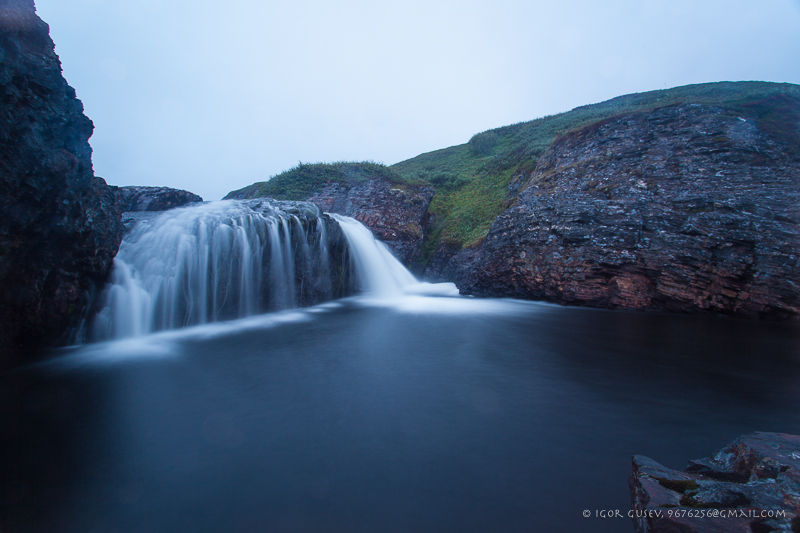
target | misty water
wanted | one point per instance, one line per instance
(385, 412)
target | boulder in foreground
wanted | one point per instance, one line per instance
(750, 486)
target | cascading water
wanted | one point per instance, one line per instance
(219, 261)
(232, 259)
(378, 272)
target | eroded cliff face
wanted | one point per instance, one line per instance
(60, 227)
(397, 216)
(686, 208)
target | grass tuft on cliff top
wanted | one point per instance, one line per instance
(305, 179)
(471, 180)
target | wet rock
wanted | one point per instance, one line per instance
(396, 212)
(153, 198)
(687, 208)
(143, 203)
(397, 215)
(59, 224)
(702, 498)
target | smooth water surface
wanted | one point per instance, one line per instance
(430, 414)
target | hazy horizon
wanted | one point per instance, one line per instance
(211, 99)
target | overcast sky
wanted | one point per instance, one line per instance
(211, 96)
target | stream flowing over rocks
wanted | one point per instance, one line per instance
(60, 225)
(396, 214)
(690, 208)
(222, 260)
(473, 413)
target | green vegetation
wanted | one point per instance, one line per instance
(304, 179)
(780, 116)
(471, 180)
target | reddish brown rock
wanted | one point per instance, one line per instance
(395, 211)
(396, 214)
(684, 208)
(750, 486)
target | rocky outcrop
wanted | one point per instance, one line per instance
(396, 214)
(245, 193)
(685, 208)
(59, 225)
(144, 203)
(136, 198)
(750, 486)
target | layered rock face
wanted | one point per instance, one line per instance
(60, 226)
(751, 485)
(137, 198)
(686, 208)
(398, 217)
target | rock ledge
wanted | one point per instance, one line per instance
(752, 485)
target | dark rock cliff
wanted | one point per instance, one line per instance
(59, 225)
(135, 198)
(751, 485)
(685, 208)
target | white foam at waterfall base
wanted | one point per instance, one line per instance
(380, 274)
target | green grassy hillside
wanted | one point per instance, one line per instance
(471, 180)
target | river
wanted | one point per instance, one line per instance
(415, 414)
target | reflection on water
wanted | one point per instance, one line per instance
(425, 415)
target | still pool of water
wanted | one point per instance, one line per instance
(429, 414)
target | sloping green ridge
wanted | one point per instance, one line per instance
(306, 178)
(482, 168)
(471, 180)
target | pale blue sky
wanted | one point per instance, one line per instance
(212, 96)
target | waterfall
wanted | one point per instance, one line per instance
(378, 272)
(232, 259)
(218, 261)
